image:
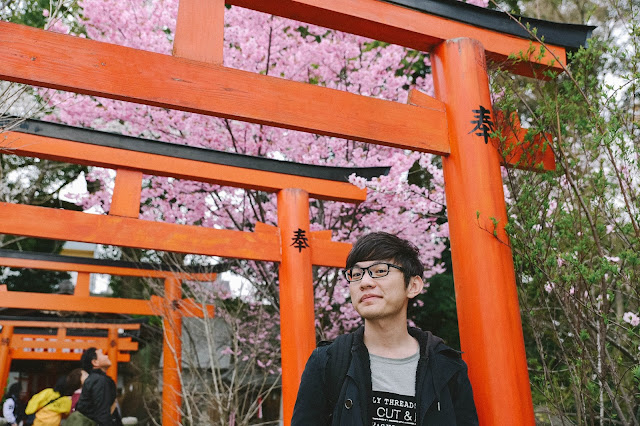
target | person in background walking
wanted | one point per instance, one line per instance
(98, 398)
(77, 376)
(50, 404)
(12, 408)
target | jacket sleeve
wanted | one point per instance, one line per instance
(8, 411)
(464, 404)
(310, 408)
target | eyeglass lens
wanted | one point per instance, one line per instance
(378, 270)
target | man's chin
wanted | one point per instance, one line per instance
(367, 313)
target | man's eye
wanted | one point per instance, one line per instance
(379, 270)
(356, 274)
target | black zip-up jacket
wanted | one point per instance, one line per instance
(98, 394)
(443, 391)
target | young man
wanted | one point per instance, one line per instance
(396, 375)
(97, 400)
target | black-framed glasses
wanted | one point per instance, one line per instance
(377, 270)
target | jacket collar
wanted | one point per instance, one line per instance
(438, 363)
(361, 368)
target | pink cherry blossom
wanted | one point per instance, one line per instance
(273, 46)
(631, 318)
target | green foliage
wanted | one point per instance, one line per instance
(35, 182)
(30, 12)
(435, 310)
(575, 235)
(34, 280)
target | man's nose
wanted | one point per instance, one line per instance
(366, 281)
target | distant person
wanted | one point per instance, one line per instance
(12, 408)
(77, 377)
(49, 405)
(98, 398)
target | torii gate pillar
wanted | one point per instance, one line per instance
(5, 354)
(297, 315)
(172, 355)
(486, 297)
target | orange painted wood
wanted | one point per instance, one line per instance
(63, 356)
(515, 152)
(127, 232)
(79, 153)
(297, 315)
(329, 253)
(535, 155)
(200, 30)
(63, 302)
(112, 353)
(41, 341)
(64, 62)
(82, 284)
(99, 269)
(263, 227)
(484, 278)
(322, 235)
(324, 252)
(406, 27)
(187, 307)
(5, 354)
(70, 325)
(172, 357)
(126, 194)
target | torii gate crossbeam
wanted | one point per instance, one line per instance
(61, 346)
(123, 227)
(440, 126)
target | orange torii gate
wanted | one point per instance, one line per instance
(172, 308)
(455, 124)
(41, 345)
(294, 183)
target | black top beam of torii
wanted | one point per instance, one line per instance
(569, 36)
(114, 140)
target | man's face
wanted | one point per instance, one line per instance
(384, 297)
(102, 361)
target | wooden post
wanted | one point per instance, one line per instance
(83, 285)
(5, 355)
(487, 301)
(112, 353)
(200, 30)
(126, 193)
(297, 317)
(172, 354)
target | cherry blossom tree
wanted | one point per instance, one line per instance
(287, 49)
(283, 48)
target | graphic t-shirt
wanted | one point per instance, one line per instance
(394, 390)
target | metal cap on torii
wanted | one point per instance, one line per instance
(569, 36)
(114, 140)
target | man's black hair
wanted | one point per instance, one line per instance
(88, 355)
(385, 246)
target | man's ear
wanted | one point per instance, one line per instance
(415, 287)
(94, 362)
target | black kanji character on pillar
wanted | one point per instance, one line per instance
(300, 240)
(483, 123)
